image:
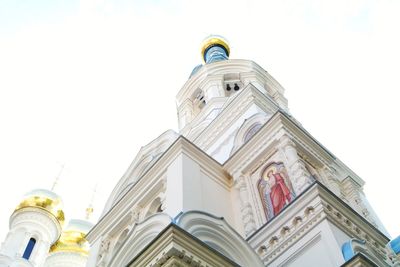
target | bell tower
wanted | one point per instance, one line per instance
(35, 225)
(209, 111)
(242, 178)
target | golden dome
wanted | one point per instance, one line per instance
(46, 200)
(73, 239)
(214, 40)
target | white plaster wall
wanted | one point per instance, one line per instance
(339, 235)
(94, 250)
(217, 199)
(222, 148)
(174, 190)
(190, 188)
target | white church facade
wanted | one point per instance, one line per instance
(241, 184)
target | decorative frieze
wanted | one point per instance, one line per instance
(290, 227)
(102, 256)
(353, 193)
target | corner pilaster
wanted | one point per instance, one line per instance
(245, 207)
(297, 171)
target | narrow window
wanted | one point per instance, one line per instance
(29, 248)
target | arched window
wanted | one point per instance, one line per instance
(29, 248)
(252, 131)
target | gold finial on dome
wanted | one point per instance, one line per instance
(211, 41)
(89, 209)
(89, 212)
(73, 238)
(57, 179)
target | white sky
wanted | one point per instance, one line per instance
(86, 83)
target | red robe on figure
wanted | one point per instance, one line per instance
(279, 193)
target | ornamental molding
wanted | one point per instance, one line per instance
(39, 221)
(248, 124)
(155, 147)
(315, 205)
(219, 234)
(246, 158)
(278, 125)
(139, 237)
(214, 104)
(240, 66)
(233, 108)
(153, 181)
(175, 245)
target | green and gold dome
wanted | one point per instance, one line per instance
(214, 48)
(44, 200)
(73, 238)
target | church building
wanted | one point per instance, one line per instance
(241, 184)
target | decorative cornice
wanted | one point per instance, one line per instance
(233, 108)
(226, 66)
(279, 124)
(176, 243)
(41, 217)
(309, 209)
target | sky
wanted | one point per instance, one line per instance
(86, 83)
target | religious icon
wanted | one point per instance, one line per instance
(275, 189)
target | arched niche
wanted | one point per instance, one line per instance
(154, 207)
(219, 235)
(139, 237)
(248, 129)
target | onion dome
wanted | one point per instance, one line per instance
(45, 200)
(73, 238)
(395, 245)
(195, 70)
(215, 48)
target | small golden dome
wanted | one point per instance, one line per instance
(213, 40)
(73, 238)
(46, 200)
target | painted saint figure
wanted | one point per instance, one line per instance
(280, 194)
(275, 189)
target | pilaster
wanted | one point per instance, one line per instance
(298, 173)
(245, 207)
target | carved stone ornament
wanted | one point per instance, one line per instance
(245, 207)
(103, 252)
